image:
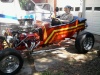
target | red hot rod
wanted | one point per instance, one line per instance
(16, 39)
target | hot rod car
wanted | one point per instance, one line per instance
(18, 39)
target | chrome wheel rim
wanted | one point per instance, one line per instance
(88, 43)
(9, 64)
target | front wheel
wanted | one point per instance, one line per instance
(84, 42)
(10, 62)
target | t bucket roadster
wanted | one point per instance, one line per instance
(18, 39)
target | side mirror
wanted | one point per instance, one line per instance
(56, 9)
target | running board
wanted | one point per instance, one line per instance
(43, 51)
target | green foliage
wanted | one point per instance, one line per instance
(23, 3)
(51, 73)
(46, 73)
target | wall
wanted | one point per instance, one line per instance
(51, 2)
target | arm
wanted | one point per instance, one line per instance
(70, 18)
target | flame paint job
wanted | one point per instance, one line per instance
(53, 34)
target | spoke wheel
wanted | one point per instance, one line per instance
(84, 42)
(10, 62)
(88, 43)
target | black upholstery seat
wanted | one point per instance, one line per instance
(77, 18)
(74, 19)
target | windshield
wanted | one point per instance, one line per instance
(45, 6)
(24, 3)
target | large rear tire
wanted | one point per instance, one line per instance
(10, 62)
(84, 42)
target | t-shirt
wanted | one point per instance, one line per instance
(66, 16)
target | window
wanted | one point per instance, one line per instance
(77, 8)
(46, 7)
(72, 9)
(9, 1)
(88, 8)
(40, 5)
(97, 8)
(60, 9)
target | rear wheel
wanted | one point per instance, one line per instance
(10, 62)
(84, 42)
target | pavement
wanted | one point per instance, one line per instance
(46, 60)
(97, 38)
(97, 41)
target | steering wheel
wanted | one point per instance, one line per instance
(56, 21)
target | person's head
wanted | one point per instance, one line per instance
(67, 9)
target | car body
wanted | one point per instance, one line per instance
(43, 33)
(53, 33)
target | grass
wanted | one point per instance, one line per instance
(51, 73)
